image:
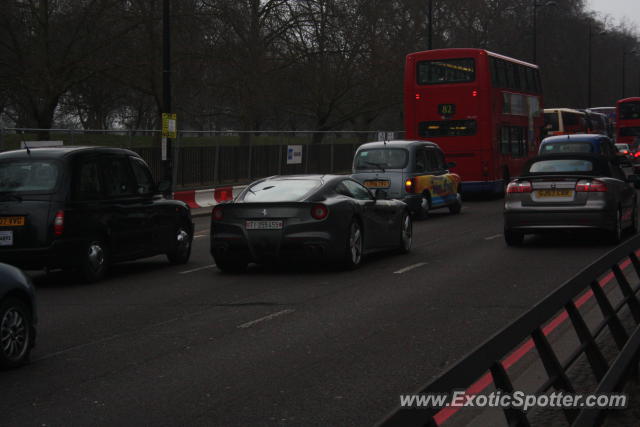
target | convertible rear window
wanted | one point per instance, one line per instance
(280, 190)
(23, 176)
(567, 147)
(562, 165)
(381, 158)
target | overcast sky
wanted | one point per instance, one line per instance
(628, 10)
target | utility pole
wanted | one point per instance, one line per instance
(430, 25)
(167, 153)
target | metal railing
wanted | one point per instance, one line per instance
(487, 359)
(205, 158)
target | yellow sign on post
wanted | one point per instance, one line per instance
(169, 125)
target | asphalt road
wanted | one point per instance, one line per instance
(159, 345)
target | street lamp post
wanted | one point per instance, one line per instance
(166, 90)
(536, 5)
(430, 25)
(589, 60)
(633, 52)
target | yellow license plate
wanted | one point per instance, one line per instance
(555, 193)
(11, 221)
(376, 184)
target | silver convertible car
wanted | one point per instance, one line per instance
(320, 217)
(570, 192)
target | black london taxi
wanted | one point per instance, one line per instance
(82, 208)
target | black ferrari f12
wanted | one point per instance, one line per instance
(323, 217)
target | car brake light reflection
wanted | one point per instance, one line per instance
(217, 214)
(590, 186)
(319, 211)
(58, 223)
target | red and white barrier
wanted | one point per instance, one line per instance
(208, 197)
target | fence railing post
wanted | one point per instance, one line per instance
(333, 144)
(130, 138)
(1, 139)
(216, 165)
(280, 148)
(250, 161)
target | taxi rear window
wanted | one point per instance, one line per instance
(28, 176)
(381, 158)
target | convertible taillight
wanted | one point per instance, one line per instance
(319, 211)
(58, 223)
(519, 187)
(217, 214)
(590, 186)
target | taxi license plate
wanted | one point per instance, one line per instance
(263, 225)
(6, 238)
(11, 221)
(555, 193)
(377, 184)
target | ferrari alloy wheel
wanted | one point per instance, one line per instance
(354, 249)
(15, 333)
(406, 233)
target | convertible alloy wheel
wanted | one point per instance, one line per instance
(407, 233)
(355, 243)
(15, 333)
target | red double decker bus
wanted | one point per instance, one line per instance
(628, 121)
(483, 109)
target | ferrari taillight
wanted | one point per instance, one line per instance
(319, 211)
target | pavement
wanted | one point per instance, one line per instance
(294, 345)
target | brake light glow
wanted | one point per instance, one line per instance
(58, 223)
(217, 214)
(590, 186)
(409, 186)
(637, 154)
(319, 212)
(418, 97)
(474, 93)
(519, 187)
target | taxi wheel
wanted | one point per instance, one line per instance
(16, 333)
(456, 207)
(182, 251)
(95, 262)
(425, 205)
(513, 238)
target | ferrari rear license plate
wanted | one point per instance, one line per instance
(11, 221)
(555, 193)
(263, 225)
(378, 183)
(6, 238)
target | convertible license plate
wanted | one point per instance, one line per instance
(555, 193)
(379, 183)
(11, 221)
(263, 225)
(6, 238)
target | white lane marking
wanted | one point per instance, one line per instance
(197, 236)
(265, 318)
(495, 236)
(409, 268)
(198, 269)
